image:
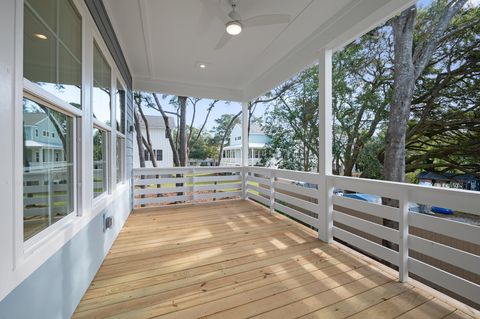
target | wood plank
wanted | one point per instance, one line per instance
(324, 299)
(433, 308)
(348, 306)
(236, 260)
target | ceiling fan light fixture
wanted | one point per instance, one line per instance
(234, 27)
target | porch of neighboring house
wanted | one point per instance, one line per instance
(234, 259)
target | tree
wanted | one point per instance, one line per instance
(223, 129)
(412, 55)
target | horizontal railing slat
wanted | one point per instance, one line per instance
(262, 190)
(218, 195)
(372, 209)
(297, 202)
(165, 199)
(257, 179)
(366, 245)
(446, 227)
(309, 220)
(366, 226)
(453, 256)
(258, 198)
(305, 191)
(447, 280)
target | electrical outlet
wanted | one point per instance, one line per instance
(107, 222)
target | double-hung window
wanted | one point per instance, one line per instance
(120, 139)
(101, 107)
(52, 65)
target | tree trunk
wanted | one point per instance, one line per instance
(408, 66)
(182, 152)
(141, 150)
(148, 142)
(168, 131)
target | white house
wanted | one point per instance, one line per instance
(257, 139)
(161, 146)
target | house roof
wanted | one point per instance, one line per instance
(256, 129)
(459, 177)
(249, 64)
(155, 121)
(432, 175)
(33, 118)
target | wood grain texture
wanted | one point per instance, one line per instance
(236, 260)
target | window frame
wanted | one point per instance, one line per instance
(34, 93)
(22, 258)
(118, 81)
(104, 128)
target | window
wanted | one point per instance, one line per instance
(53, 134)
(120, 149)
(48, 189)
(159, 155)
(101, 87)
(44, 133)
(36, 132)
(120, 109)
(52, 51)
(120, 127)
(147, 156)
(99, 162)
(57, 157)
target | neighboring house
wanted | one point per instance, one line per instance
(232, 154)
(42, 141)
(160, 144)
(450, 180)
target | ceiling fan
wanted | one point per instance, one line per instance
(234, 24)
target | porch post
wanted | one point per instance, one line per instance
(244, 148)
(325, 188)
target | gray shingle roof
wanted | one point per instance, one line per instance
(155, 121)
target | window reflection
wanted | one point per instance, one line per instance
(52, 51)
(120, 109)
(48, 186)
(120, 149)
(99, 162)
(101, 87)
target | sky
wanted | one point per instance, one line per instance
(220, 108)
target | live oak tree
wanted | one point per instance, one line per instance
(412, 54)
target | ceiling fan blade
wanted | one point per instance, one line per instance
(213, 7)
(267, 19)
(223, 41)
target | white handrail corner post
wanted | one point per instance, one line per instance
(272, 191)
(403, 230)
(325, 187)
(245, 115)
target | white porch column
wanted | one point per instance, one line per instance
(325, 145)
(244, 148)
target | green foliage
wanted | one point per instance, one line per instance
(292, 124)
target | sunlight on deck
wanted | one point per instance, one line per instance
(233, 259)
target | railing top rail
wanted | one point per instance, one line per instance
(458, 199)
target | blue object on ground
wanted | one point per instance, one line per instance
(364, 197)
(441, 210)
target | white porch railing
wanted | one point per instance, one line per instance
(434, 249)
(160, 186)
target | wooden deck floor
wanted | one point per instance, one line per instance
(234, 260)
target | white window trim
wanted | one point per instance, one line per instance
(21, 262)
(101, 198)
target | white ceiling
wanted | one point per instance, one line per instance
(165, 40)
